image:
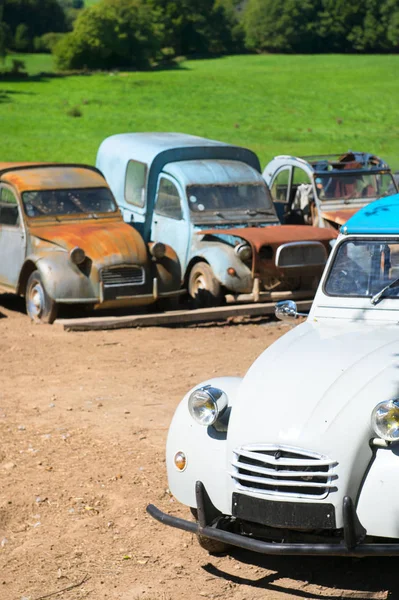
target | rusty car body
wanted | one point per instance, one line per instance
(208, 200)
(63, 241)
(326, 191)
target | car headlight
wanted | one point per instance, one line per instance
(244, 252)
(77, 255)
(206, 404)
(385, 420)
(158, 250)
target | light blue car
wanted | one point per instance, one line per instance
(208, 200)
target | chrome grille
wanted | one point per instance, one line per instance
(123, 276)
(283, 471)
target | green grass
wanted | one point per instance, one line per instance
(271, 104)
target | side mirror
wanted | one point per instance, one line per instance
(286, 310)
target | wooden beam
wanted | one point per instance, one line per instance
(176, 317)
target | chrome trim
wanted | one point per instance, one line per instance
(281, 249)
(280, 477)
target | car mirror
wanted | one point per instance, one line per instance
(286, 310)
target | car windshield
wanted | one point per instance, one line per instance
(253, 197)
(362, 268)
(346, 185)
(68, 202)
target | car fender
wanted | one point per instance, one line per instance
(221, 256)
(168, 270)
(378, 508)
(62, 279)
(205, 449)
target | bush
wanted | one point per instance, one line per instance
(47, 42)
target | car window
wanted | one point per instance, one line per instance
(279, 187)
(361, 268)
(168, 200)
(136, 173)
(68, 202)
(9, 214)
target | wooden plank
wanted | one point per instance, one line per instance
(176, 317)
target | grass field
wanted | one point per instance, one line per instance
(271, 104)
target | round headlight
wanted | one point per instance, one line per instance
(244, 252)
(158, 250)
(385, 420)
(206, 404)
(77, 255)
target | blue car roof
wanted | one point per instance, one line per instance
(379, 217)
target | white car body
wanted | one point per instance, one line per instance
(307, 400)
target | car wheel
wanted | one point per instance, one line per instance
(203, 287)
(208, 544)
(39, 306)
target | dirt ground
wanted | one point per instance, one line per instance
(83, 424)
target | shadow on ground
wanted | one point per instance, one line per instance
(363, 579)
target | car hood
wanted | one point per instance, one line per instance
(315, 389)
(340, 217)
(100, 239)
(275, 235)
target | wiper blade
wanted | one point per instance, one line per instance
(257, 211)
(375, 299)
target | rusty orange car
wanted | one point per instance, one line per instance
(63, 241)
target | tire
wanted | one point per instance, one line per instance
(203, 287)
(212, 546)
(208, 544)
(39, 306)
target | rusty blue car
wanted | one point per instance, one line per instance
(209, 202)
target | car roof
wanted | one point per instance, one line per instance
(50, 176)
(379, 217)
(337, 163)
(211, 171)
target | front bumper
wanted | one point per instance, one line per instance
(257, 295)
(351, 544)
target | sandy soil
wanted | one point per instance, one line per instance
(83, 424)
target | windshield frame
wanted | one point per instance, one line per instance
(224, 215)
(388, 239)
(352, 173)
(70, 216)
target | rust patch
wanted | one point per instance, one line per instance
(50, 178)
(276, 235)
(340, 217)
(99, 238)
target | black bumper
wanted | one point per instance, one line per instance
(352, 543)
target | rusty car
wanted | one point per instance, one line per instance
(327, 190)
(208, 200)
(63, 241)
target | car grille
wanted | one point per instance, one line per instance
(120, 282)
(283, 471)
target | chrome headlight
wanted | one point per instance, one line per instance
(77, 255)
(206, 404)
(244, 252)
(385, 420)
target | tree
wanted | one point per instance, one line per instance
(281, 25)
(22, 40)
(112, 34)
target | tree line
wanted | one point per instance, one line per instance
(142, 33)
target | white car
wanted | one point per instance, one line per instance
(301, 456)
(326, 191)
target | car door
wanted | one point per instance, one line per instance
(279, 189)
(171, 223)
(12, 238)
